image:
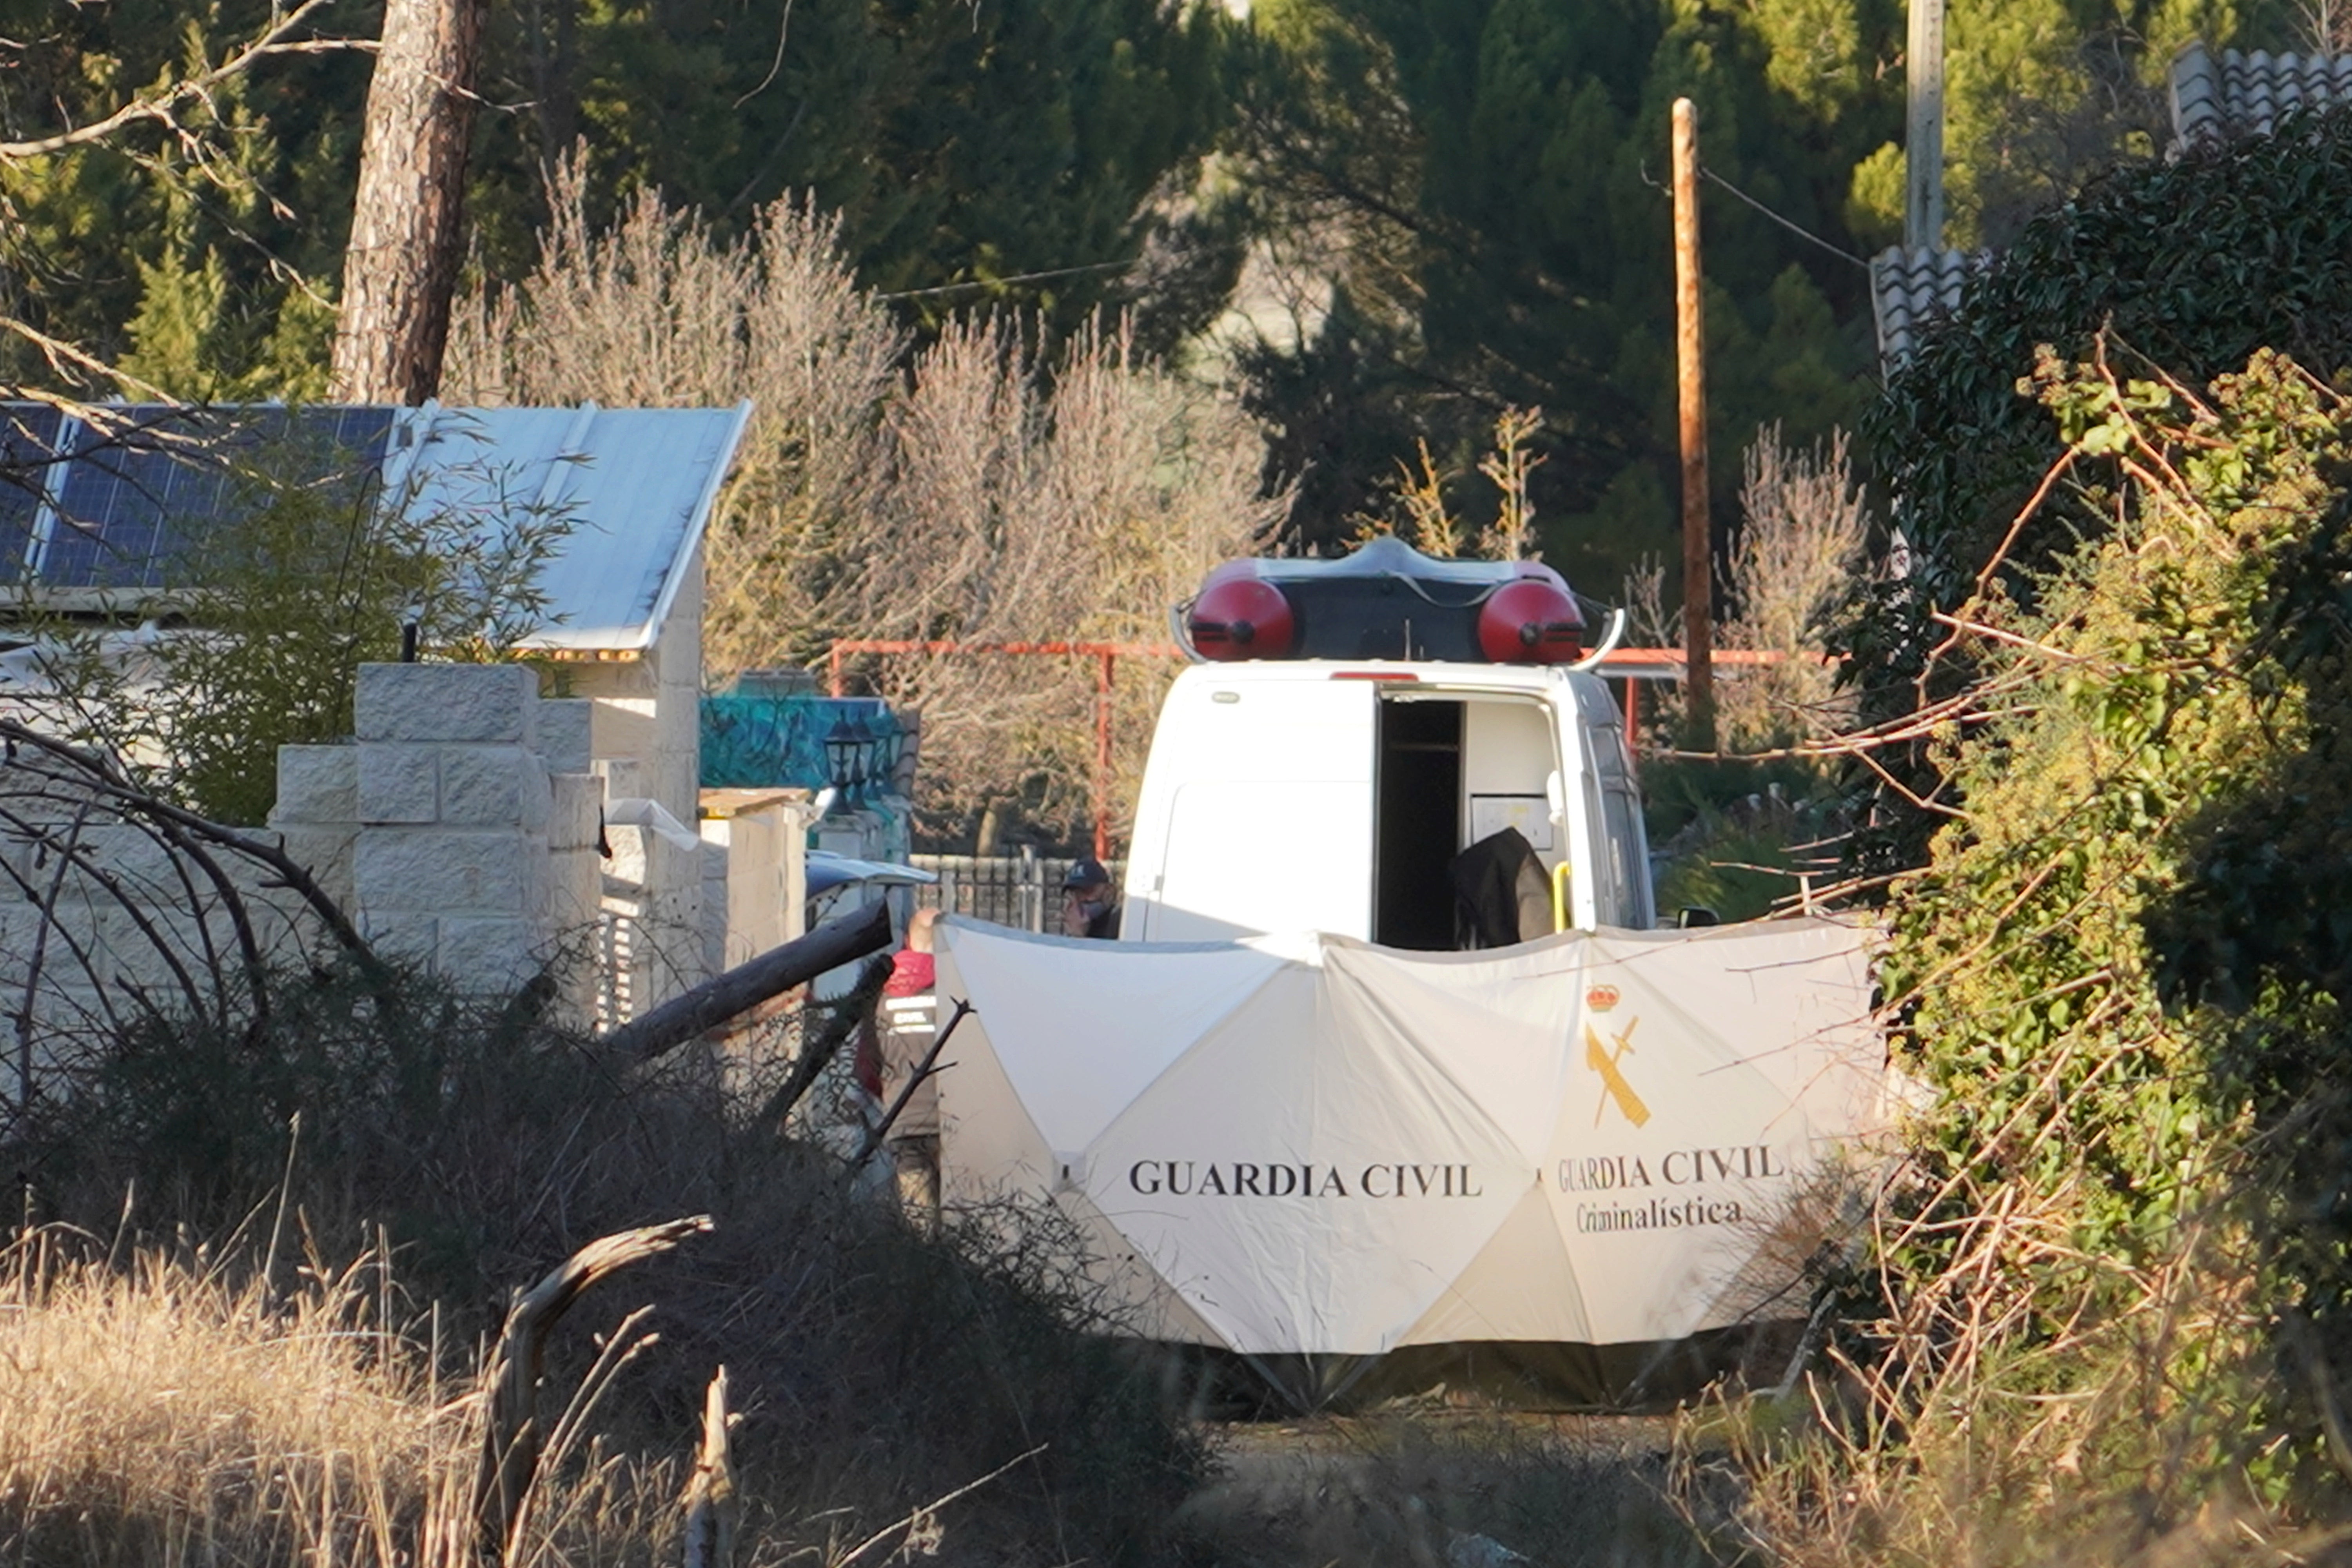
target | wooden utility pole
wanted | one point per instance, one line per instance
(1923, 144)
(1690, 359)
(402, 267)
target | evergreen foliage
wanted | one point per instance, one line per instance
(1473, 187)
(962, 144)
(2195, 263)
(204, 264)
(1494, 173)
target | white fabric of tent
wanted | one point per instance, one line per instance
(1306, 1144)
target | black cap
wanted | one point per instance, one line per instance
(1086, 874)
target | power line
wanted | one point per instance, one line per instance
(1794, 228)
(1000, 283)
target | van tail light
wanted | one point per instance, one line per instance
(1530, 622)
(1241, 617)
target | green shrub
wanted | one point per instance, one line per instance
(2112, 1285)
(2195, 262)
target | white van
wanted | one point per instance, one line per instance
(1332, 795)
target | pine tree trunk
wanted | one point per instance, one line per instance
(402, 268)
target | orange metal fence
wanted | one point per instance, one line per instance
(1105, 655)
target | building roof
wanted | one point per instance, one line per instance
(108, 503)
(1907, 288)
(2241, 93)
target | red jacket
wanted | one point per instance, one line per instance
(911, 974)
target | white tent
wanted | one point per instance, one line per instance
(1308, 1146)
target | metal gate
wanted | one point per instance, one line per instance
(1022, 891)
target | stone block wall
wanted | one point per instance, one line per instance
(754, 872)
(460, 826)
(653, 910)
(104, 923)
(469, 824)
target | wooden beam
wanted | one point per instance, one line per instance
(745, 987)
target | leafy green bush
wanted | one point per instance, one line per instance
(2116, 1274)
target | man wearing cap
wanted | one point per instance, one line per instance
(1088, 905)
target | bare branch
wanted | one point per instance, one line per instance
(164, 108)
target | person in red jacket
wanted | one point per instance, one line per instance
(906, 1021)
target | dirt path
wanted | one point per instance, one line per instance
(1441, 1489)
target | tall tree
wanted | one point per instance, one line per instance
(174, 181)
(400, 272)
(1490, 174)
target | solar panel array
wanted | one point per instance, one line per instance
(124, 496)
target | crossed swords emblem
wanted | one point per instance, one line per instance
(1603, 1060)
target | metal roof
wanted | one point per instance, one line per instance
(638, 485)
(2243, 93)
(111, 503)
(1909, 287)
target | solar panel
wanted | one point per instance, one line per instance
(141, 487)
(134, 499)
(28, 446)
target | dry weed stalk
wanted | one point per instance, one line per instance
(1429, 525)
(986, 494)
(1795, 562)
(1434, 531)
(1508, 467)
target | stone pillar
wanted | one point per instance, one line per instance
(460, 829)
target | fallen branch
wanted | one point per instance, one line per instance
(818, 1048)
(510, 1436)
(745, 987)
(881, 1129)
(710, 1504)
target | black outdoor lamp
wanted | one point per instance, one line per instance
(846, 747)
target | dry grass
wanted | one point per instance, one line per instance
(1415, 1487)
(169, 1407)
(1984, 1428)
(875, 1370)
(163, 1412)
